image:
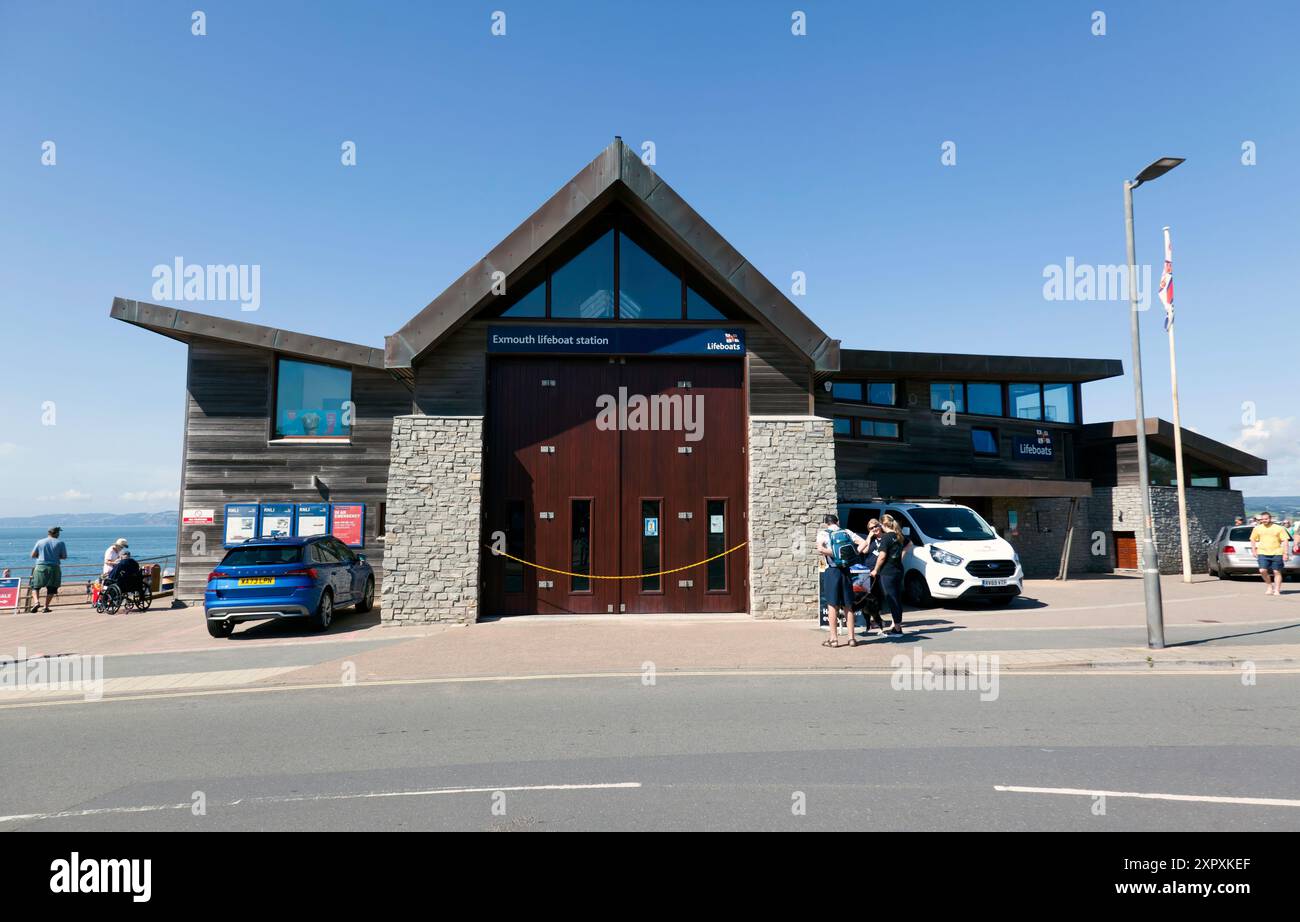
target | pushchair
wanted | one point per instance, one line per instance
(124, 586)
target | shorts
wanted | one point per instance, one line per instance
(1270, 562)
(837, 587)
(47, 576)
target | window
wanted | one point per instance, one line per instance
(943, 392)
(261, 556)
(532, 304)
(952, 523)
(844, 426)
(646, 289)
(580, 537)
(1058, 402)
(697, 308)
(1026, 401)
(716, 544)
(1207, 481)
(984, 398)
(514, 570)
(1162, 469)
(984, 441)
(650, 545)
(583, 288)
(880, 393)
(312, 401)
(877, 429)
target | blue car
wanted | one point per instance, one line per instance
(267, 578)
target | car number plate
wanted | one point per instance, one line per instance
(258, 581)
(995, 582)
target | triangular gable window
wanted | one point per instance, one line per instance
(697, 308)
(583, 288)
(532, 304)
(647, 289)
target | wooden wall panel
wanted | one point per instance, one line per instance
(452, 380)
(227, 457)
(780, 381)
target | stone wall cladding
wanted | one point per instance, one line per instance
(852, 491)
(1120, 509)
(1042, 532)
(791, 486)
(431, 548)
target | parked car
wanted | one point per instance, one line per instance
(266, 578)
(1228, 554)
(952, 552)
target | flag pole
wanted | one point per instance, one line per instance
(1168, 298)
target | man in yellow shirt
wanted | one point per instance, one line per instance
(1271, 545)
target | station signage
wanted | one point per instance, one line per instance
(9, 589)
(1037, 447)
(277, 520)
(241, 523)
(312, 519)
(348, 523)
(582, 340)
(198, 516)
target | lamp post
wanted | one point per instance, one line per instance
(1150, 562)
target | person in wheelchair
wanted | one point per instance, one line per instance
(124, 583)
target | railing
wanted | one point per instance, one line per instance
(79, 579)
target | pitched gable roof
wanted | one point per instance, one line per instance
(617, 172)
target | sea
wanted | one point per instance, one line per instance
(86, 546)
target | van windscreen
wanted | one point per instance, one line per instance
(954, 523)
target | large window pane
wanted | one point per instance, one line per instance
(881, 393)
(847, 390)
(984, 398)
(309, 401)
(584, 286)
(697, 308)
(1025, 401)
(647, 290)
(942, 392)
(580, 542)
(532, 304)
(1058, 402)
(844, 426)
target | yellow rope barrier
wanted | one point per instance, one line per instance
(538, 566)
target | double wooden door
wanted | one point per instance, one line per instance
(624, 468)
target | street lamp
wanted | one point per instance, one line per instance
(1150, 563)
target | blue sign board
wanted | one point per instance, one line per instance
(582, 340)
(277, 520)
(240, 523)
(312, 519)
(1033, 448)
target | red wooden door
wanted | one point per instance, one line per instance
(1126, 551)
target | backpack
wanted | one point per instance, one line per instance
(843, 552)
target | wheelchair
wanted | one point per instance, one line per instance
(124, 589)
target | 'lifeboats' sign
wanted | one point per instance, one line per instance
(1037, 448)
(574, 340)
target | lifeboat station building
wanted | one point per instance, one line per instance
(614, 390)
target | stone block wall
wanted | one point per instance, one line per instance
(791, 486)
(1120, 509)
(431, 559)
(853, 491)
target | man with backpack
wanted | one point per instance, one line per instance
(839, 549)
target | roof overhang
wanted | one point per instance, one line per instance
(1013, 487)
(188, 326)
(617, 174)
(976, 367)
(1231, 461)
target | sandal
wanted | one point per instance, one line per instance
(831, 642)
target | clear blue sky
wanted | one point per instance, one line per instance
(818, 153)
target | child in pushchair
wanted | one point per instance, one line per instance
(124, 585)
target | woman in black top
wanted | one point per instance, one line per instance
(889, 569)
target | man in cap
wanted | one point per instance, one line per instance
(48, 573)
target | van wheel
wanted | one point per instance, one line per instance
(324, 616)
(368, 596)
(916, 592)
(221, 628)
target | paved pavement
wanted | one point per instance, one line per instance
(826, 751)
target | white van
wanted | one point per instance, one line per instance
(952, 553)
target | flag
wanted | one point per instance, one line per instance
(1167, 284)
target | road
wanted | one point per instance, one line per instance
(699, 752)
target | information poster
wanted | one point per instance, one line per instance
(9, 589)
(277, 520)
(241, 523)
(198, 517)
(715, 525)
(651, 527)
(348, 523)
(313, 519)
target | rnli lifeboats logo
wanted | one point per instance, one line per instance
(1037, 448)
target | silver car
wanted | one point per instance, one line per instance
(1229, 554)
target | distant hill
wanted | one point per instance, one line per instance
(92, 519)
(1283, 506)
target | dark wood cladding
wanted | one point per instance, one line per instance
(227, 457)
(929, 449)
(452, 380)
(780, 380)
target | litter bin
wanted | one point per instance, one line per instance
(152, 574)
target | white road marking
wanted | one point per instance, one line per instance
(158, 808)
(1197, 798)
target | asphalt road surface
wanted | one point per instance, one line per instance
(727, 752)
